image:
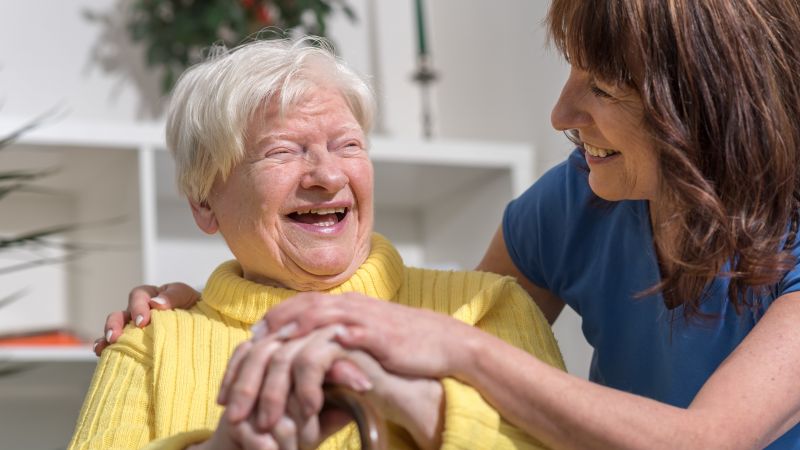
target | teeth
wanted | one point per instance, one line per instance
(322, 211)
(597, 151)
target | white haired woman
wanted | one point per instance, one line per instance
(270, 147)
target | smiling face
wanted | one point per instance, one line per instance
(610, 123)
(297, 210)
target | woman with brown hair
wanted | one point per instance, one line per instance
(671, 229)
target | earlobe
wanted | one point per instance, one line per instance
(204, 217)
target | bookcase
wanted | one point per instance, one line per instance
(438, 201)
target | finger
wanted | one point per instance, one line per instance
(232, 371)
(308, 373)
(367, 339)
(311, 310)
(285, 433)
(115, 322)
(175, 296)
(139, 304)
(276, 385)
(99, 345)
(251, 439)
(308, 428)
(347, 373)
(245, 389)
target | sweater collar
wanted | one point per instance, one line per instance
(227, 292)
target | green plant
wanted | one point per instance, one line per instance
(20, 180)
(176, 32)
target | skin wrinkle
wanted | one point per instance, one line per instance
(304, 158)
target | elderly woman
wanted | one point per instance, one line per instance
(671, 229)
(270, 147)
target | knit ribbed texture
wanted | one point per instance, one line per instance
(158, 385)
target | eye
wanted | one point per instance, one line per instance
(279, 152)
(597, 92)
(351, 147)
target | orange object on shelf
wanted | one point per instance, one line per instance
(47, 339)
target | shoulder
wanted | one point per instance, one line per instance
(169, 328)
(460, 287)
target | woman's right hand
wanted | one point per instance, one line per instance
(269, 377)
(244, 435)
(140, 301)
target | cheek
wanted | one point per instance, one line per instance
(362, 182)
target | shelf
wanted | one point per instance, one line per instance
(438, 201)
(30, 354)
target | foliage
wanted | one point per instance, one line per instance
(20, 180)
(176, 32)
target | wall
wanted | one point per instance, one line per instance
(497, 81)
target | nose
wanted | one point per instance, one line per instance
(324, 172)
(569, 112)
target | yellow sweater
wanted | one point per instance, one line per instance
(158, 385)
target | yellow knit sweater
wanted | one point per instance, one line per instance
(158, 385)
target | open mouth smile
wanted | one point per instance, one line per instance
(598, 152)
(320, 217)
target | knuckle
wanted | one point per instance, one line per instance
(271, 397)
(280, 359)
(244, 391)
(285, 427)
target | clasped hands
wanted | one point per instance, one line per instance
(273, 392)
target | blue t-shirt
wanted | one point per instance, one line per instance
(597, 256)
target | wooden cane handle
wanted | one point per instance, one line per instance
(370, 421)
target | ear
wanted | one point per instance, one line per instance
(204, 217)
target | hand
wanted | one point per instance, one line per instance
(259, 372)
(416, 404)
(404, 340)
(140, 301)
(295, 372)
(245, 436)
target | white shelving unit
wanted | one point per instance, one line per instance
(439, 202)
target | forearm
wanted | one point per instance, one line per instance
(564, 411)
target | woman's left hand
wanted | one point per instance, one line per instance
(268, 379)
(402, 339)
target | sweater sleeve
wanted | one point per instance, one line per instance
(505, 310)
(118, 409)
(470, 422)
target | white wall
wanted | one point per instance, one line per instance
(497, 79)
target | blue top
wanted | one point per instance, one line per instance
(596, 256)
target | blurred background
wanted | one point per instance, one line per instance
(87, 196)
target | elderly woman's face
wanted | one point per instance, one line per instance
(297, 211)
(609, 119)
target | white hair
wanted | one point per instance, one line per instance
(214, 101)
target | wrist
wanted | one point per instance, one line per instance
(472, 353)
(423, 417)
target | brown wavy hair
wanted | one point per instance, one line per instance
(720, 86)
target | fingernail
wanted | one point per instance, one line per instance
(340, 330)
(308, 409)
(259, 330)
(159, 300)
(287, 330)
(362, 385)
(109, 333)
(139, 320)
